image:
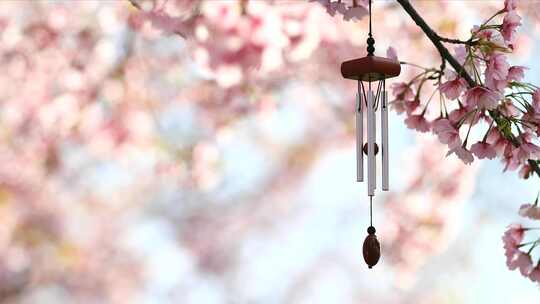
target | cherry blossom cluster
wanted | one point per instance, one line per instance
(495, 97)
(61, 92)
(486, 91)
(517, 251)
(239, 42)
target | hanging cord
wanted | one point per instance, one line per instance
(377, 97)
(371, 210)
(370, 40)
(384, 105)
(364, 93)
(369, 18)
(371, 229)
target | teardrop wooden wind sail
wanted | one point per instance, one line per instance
(370, 72)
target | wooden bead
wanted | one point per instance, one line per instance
(375, 150)
(371, 250)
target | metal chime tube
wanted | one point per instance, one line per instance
(359, 135)
(371, 142)
(374, 136)
(384, 139)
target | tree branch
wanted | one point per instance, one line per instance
(456, 41)
(437, 41)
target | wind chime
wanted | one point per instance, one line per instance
(370, 72)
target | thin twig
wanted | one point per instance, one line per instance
(437, 42)
(456, 41)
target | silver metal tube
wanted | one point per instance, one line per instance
(384, 139)
(359, 136)
(371, 142)
(374, 135)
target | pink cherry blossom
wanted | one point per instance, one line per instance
(391, 53)
(402, 91)
(333, 7)
(496, 84)
(536, 100)
(512, 158)
(512, 238)
(510, 23)
(497, 67)
(531, 120)
(418, 123)
(398, 106)
(508, 109)
(460, 52)
(497, 72)
(531, 211)
(533, 149)
(482, 98)
(527, 148)
(497, 141)
(519, 155)
(355, 13)
(483, 150)
(534, 275)
(446, 132)
(458, 114)
(522, 261)
(514, 235)
(462, 153)
(510, 5)
(494, 136)
(452, 89)
(516, 73)
(410, 105)
(450, 74)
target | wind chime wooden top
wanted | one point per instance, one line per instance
(370, 68)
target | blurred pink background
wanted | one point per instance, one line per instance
(137, 166)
